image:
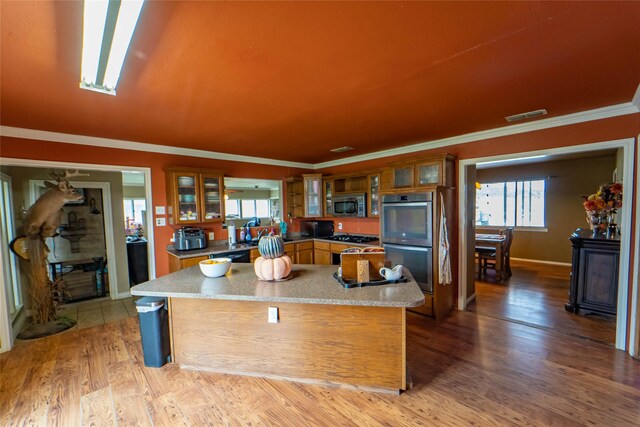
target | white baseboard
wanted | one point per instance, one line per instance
(19, 323)
(471, 298)
(541, 261)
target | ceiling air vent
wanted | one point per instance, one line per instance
(527, 115)
(341, 149)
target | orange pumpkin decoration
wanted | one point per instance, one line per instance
(272, 269)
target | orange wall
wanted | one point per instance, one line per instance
(590, 132)
(53, 151)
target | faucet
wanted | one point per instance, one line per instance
(261, 233)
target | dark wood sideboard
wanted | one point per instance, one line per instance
(594, 273)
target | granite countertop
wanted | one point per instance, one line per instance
(311, 284)
(222, 247)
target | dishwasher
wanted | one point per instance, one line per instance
(236, 256)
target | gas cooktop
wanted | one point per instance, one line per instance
(352, 238)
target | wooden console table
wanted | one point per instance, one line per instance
(594, 273)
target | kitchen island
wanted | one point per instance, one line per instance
(324, 333)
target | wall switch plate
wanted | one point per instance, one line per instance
(273, 315)
(159, 210)
(161, 222)
(211, 235)
(339, 226)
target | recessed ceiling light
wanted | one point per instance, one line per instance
(527, 115)
(341, 149)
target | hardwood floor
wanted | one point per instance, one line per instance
(467, 370)
(535, 295)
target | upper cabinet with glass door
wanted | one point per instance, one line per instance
(212, 197)
(427, 172)
(312, 195)
(327, 188)
(194, 196)
(373, 194)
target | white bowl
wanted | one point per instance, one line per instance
(215, 267)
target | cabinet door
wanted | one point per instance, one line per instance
(186, 197)
(598, 283)
(403, 176)
(212, 190)
(428, 173)
(312, 195)
(322, 257)
(290, 249)
(304, 256)
(373, 195)
(295, 197)
(327, 186)
(189, 262)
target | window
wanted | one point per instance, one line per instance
(247, 208)
(511, 204)
(134, 211)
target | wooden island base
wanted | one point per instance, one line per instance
(358, 346)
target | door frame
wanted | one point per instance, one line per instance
(107, 218)
(149, 233)
(625, 317)
(9, 327)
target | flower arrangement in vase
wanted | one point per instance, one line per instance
(602, 206)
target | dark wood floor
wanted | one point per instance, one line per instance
(467, 370)
(535, 295)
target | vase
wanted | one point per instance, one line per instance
(599, 224)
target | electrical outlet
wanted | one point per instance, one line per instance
(339, 226)
(161, 222)
(273, 315)
(211, 235)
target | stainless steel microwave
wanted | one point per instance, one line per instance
(350, 205)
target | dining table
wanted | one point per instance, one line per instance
(496, 242)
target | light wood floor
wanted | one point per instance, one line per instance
(535, 295)
(467, 370)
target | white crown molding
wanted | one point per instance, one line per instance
(569, 119)
(140, 146)
(636, 98)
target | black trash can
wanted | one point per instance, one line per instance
(154, 330)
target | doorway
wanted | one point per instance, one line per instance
(467, 227)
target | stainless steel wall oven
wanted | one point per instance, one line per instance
(407, 234)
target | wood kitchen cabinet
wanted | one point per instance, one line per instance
(312, 195)
(322, 253)
(417, 174)
(304, 253)
(373, 195)
(327, 193)
(176, 263)
(295, 196)
(594, 273)
(194, 196)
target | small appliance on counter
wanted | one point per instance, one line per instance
(316, 228)
(187, 238)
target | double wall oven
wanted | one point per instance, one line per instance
(407, 234)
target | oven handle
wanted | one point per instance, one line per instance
(407, 248)
(423, 204)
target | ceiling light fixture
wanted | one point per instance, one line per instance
(341, 149)
(107, 31)
(527, 115)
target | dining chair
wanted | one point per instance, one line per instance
(487, 256)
